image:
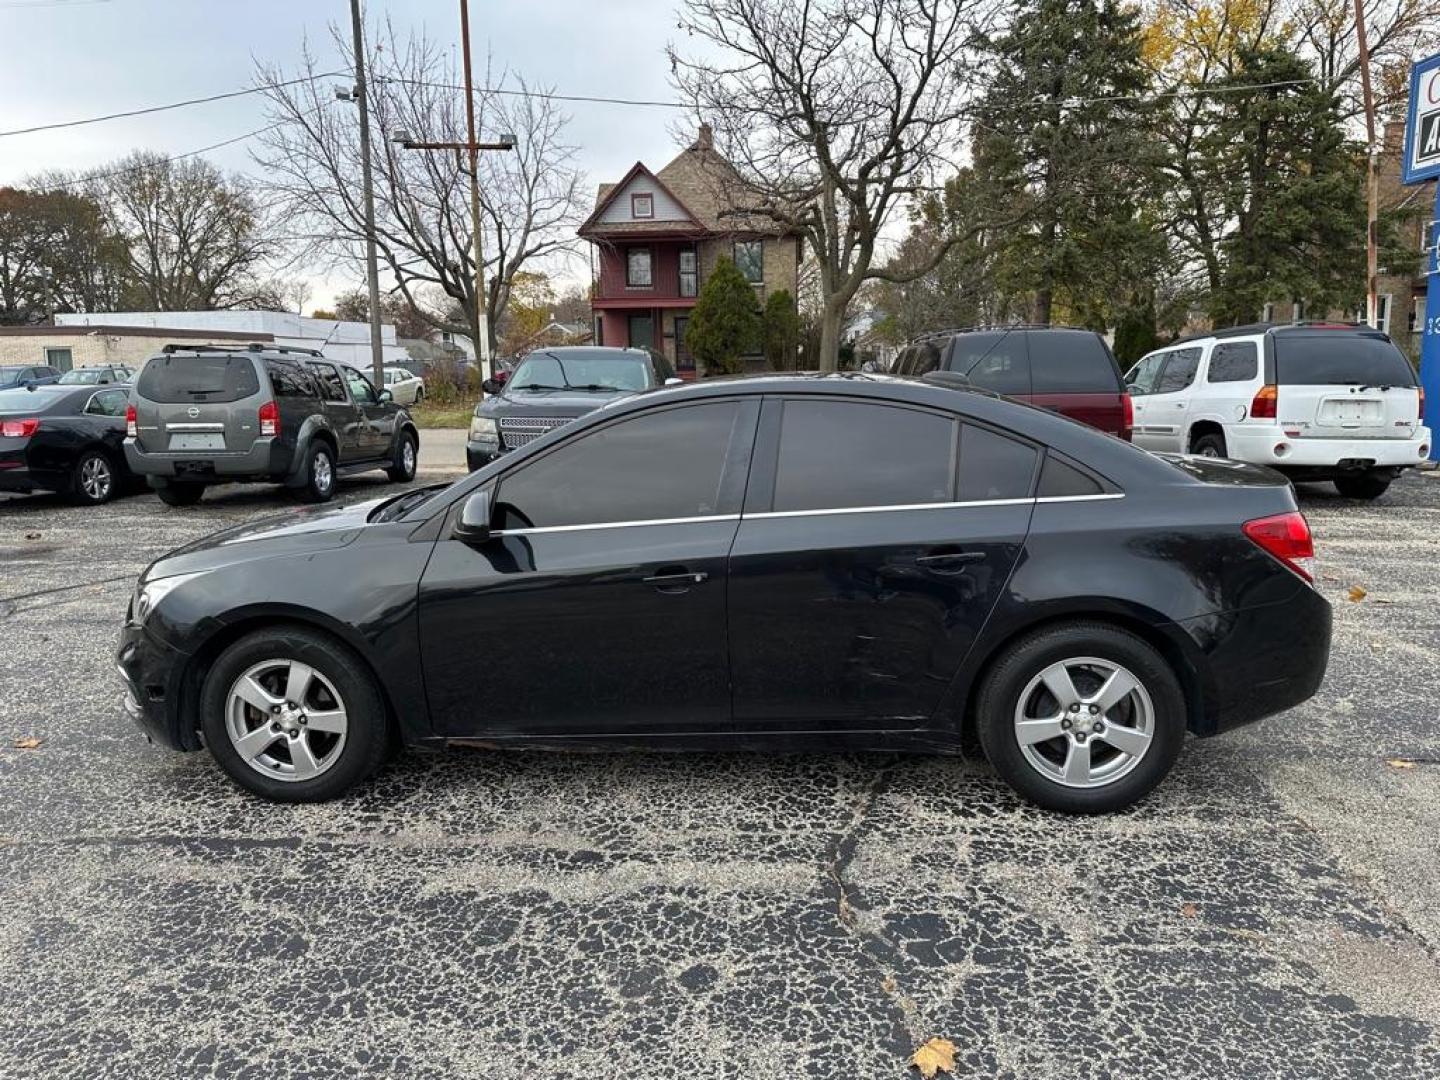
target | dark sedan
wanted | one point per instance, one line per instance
(25, 376)
(779, 562)
(65, 438)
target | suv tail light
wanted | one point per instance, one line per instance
(1420, 416)
(1287, 537)
(1263, 407)
(19, 429)
(131, 422)
(1127, 417)
(269, 419)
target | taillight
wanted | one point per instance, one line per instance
(1263, 406)
(1421, 414)
(131, 426)
(269, 418)
(19, 429)
(1127, 419)
(1287, 537)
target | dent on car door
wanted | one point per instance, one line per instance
(875, 541)
(598, 605)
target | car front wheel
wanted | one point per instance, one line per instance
(1081, 717)
(293, 715)
(402, 466)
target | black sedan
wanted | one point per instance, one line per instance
(778, 562)
(65, 438)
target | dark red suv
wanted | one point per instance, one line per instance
(1069, 371)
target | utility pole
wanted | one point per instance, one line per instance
(1372, 180)
(372, 271)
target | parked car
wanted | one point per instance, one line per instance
(1069, 371)
(405, 386)
(66, 439)
(1318, 401)
(785, 562)
(214, 414)
(23, 375)
(96, 376)
(551, 387)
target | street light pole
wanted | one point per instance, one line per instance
(372, 271)
(482, 317)
(1372, 181)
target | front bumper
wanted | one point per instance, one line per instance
(482, 453)
(1269, 445)
(268, 458)
(152, 674)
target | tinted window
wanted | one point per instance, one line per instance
(85, 376)
(1057, 479)
(994, 467)
(1330, 357)
(583, 369)
(198, 378)
(332, 387)
(108, 403)
(924, 358)
(289, 380)
(1179, 371)
(661, 465)
(1234, 361)
(1071, 362)
(837, 454)
(1141, 378)
(994, 361)
(360, 388)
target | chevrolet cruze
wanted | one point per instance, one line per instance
(785, 562)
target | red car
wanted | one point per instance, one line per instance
(1069, 371)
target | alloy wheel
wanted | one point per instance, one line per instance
(323, 472)
(96, 478)
(286, 720)
(1084, 722)
(407, 457)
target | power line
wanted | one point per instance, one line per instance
(172, 105)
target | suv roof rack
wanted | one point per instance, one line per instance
(254, 346)
(1271, 327)
(980, 327)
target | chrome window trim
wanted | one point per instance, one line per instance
(707, 518)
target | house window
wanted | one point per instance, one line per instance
(642, 205)
(1268, 314)
(1417, 314)
(687, 273)
(637, 268)
(59, 359)
(750, 258)
(1382, 312)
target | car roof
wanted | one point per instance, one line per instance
(1262, 328)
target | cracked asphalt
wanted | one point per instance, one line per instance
(1272, 911)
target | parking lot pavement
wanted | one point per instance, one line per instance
(442, 450)
(1274, 910)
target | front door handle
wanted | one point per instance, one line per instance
(676, 579)
(949, 562)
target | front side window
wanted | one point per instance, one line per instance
(637, 268)
(687, 273)
(1233, 361)
(837, 455)
(1141, 378)
(1179, 372)
(750, 260)
(658, 466)
(360, 388)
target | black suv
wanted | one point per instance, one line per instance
(551, 387)
(215, 414)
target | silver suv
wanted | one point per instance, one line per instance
(214, 414)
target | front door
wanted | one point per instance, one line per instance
(378, 418)
(1167, 406)
(684, 361)
(642, 331)
(1139, 383)
(867, 562)
(598, 607)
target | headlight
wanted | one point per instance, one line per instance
(484, 429)
(149, 595)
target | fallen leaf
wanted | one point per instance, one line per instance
(937, 1055)
(29, 742)
(1189, 910)
(1399, 763)
(888, 984)
(1356, 593)
(32, 536)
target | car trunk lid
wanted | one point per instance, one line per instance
(188, 404)
(1344, 384)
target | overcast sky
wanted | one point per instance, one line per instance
(71, 59)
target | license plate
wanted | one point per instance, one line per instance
(1352, 412)
(197, 441)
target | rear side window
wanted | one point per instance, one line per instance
(924, 358)
(993, 361)
(332, 387)
(289, 380)
(171, 379)
(1071, 362)
(1329, 357)
(1234, 361)
(108, 403)
(994, 467)
(1059, 480)
(837, 455)
(1179, 371)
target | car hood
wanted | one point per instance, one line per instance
(548, 402)
(298, 532)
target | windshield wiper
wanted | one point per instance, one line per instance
(542, 386)
(401, 503)
(597, 387)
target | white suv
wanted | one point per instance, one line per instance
(1317, 401)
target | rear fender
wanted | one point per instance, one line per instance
(314, 425)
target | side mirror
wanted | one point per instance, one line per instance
(490, 386)
(386, 395)
(474, 524)
(673, 381)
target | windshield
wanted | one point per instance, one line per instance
(582, 371)
(1328, 357)
(30, 402)
(9, 372)
(82, 376)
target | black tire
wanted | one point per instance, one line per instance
(1008, 679)
(94, 479)
(184, 494)
(319, 485)
(1365, 486)
(419, 394)
(407, 455)
(366, 741)
(1211, 445)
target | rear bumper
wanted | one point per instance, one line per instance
(16, 475)
(1259, 443)
(268, 458)
(151, 673)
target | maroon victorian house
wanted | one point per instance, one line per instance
(656, 237)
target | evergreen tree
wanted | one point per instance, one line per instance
(1135, 333)
(780, 330)
(725, 322)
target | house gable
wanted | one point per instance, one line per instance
(622, 205)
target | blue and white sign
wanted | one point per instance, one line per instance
(1422, 124)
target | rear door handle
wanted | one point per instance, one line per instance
(676, 580)
(950, 562)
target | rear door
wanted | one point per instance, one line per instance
(1072, 372)
(1343, 384)
(198, 405)
(344, 415)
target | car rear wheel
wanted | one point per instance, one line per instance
(293, 715)
(1081, 717)
(93, 480)
(319, 483)
(184, 494)
(402, 467)
(1211, 445)
(1367, 486)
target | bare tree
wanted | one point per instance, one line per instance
(1398, 30)
(834, 112)
(529, 199)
